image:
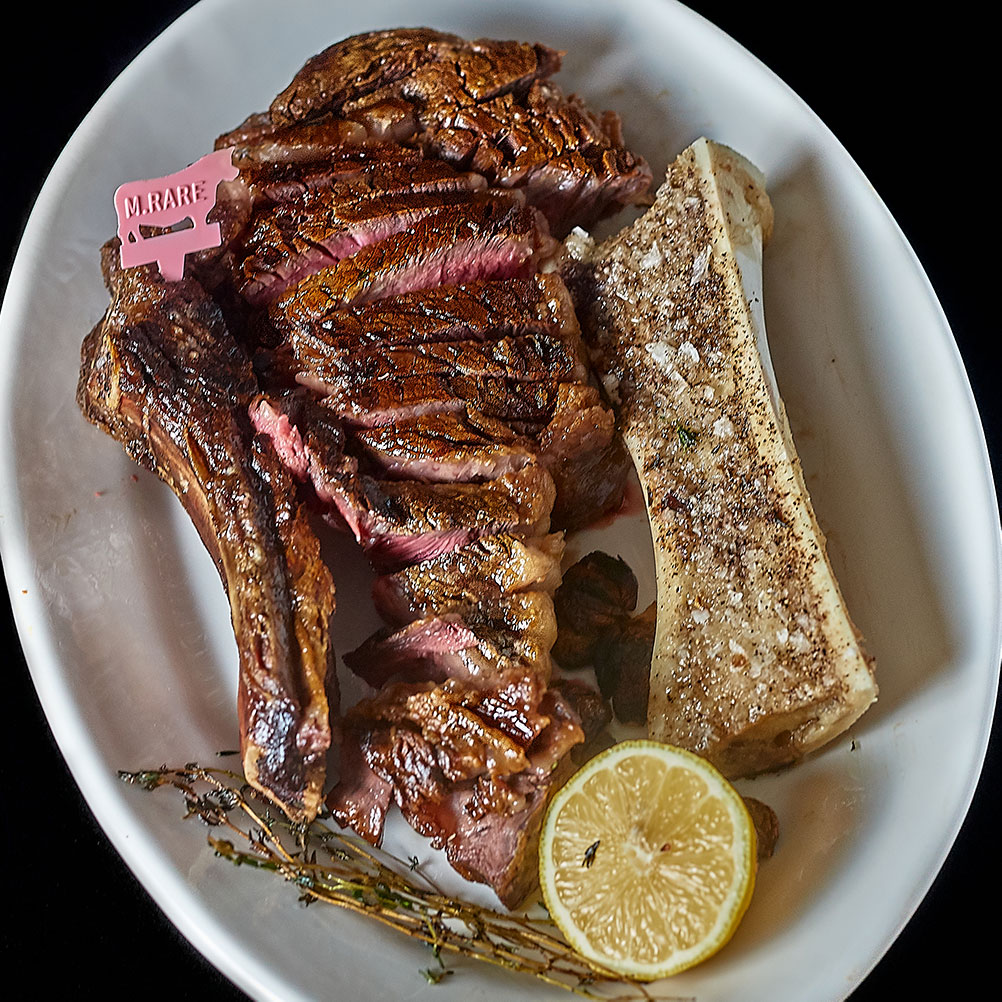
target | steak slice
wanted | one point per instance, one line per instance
(484, 104)
(506, 635)
(400, 171)
(474, 311)
(264, 180)
(461, 446)
(530, 358)
(403, 522)
(491, 237)
(162, 375)
(360, 798)
(354, 166)
(369, 69)
(310, 443)
(458, 781)
(388, 401)
(475, 575)
(570, 163)
(398, 522)
(490, 828)
(287, 242)
(494, 847)
(257, 140)
(585, 456)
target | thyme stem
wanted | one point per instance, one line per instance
(381, 887)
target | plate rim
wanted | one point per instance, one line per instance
(71, 735)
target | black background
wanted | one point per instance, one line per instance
(908, 97)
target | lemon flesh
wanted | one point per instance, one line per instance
(647, 860)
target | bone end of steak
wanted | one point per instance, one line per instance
(162, 375)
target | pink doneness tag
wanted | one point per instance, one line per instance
(167, 201)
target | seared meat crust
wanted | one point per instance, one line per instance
(162, 374)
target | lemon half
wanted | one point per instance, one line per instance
(647, 860)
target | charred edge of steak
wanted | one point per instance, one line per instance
(162, 375)
(379, 64)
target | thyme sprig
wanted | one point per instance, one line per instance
(381, 887)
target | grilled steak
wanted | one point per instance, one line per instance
(490, 238)
(374, 167)
(477, 310)
(444, 448)
(256, 141)
(486, 105)
(366, 69)
(298, 237)
(471, 769)
(162, 374)
(500, 635)
(477, 574)
(584, 455)
(532, 358)
(391, 401)
(404, 522)
(420, 381)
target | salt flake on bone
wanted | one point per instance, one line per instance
(799, 642)
(700, 265)
(660, 351)
(653, 257)
(723, 428)
(579, 244)
(688, 351)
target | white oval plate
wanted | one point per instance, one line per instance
(126, 630)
